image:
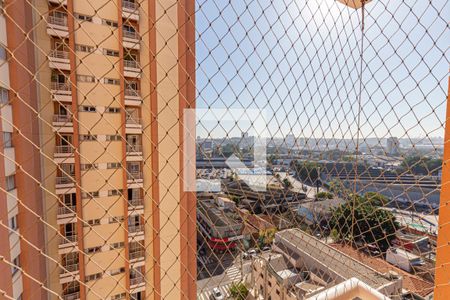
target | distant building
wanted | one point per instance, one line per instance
(326, 264)
(393, 146)
(219, 221)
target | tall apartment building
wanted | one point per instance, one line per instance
(102, 85)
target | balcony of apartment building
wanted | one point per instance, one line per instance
(135, 228)
(62, 119)
(65, 176)
(69, 268)
(137, 279)
(132, 93)
(134, 147)
(66, 214)
(68, 238)
(57, 24)
(135, 201)
(58, 57)
(136, 254)
(60, 87)
(133, 122)
(135, 177)
(131, 67)
(71, 290)
(130, 10)
(64, 150)
(130, 35)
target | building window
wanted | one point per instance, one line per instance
(7, 140)
(86, 108)
(94, 277)
(16, 263)
(93, 250)
(110, 23)
(113, 220)
(83, 17)
(111, 81)
(110, 52)
(84, 48)
(93, 222)
(118, 245)
(119, 296)
(117, 271)
(3, 52)
(88, 137)
(110, 138)
(4, 97)
(85, 78)
(89, 195)
(13, 223)
(10, 182)
(87, 167)
(113, 110)
(113, 165)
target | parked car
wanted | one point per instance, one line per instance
(252, 252)
(217, 294)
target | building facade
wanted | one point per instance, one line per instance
(101, 87)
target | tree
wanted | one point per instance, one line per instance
(421, 165)
(286, 183)
(306, 171)
(360, 220)
(376, 199)
(324, 195)
(239, 291)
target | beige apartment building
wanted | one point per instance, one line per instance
(101, 87)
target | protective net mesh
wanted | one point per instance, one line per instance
(223, 149)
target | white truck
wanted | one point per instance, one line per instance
(403, 259)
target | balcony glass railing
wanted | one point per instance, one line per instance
(130, 64)
(137, 254)
(62, 118)
(134, 175)
(70, 268)
(131, 34)
(64, 180)
(66, 210)
(68, 239)
(132, 93)
(133, 120)
(59, 54)
(129, 5)
(135, 228)
(136, 280)
(71, 296)
(64, 149)
(57, 20)
(60, 86)
(135, 202)
(134, 148)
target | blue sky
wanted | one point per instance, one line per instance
(299, 60)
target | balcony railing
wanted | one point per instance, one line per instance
(71, 296)
(135, 228)
(132, 93)
(60, 21)
(134, 148)
(137, 254)
(65, 180)
(60, 86)
(129, 5)
(134, 175)
(64, 149)
(131, 35)
(136, 280)
(59, 54)
(136, 202)
(69, 268)
(130, 64)
(68, 239)
(133, 120)
(66, 210)
(62, 118)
